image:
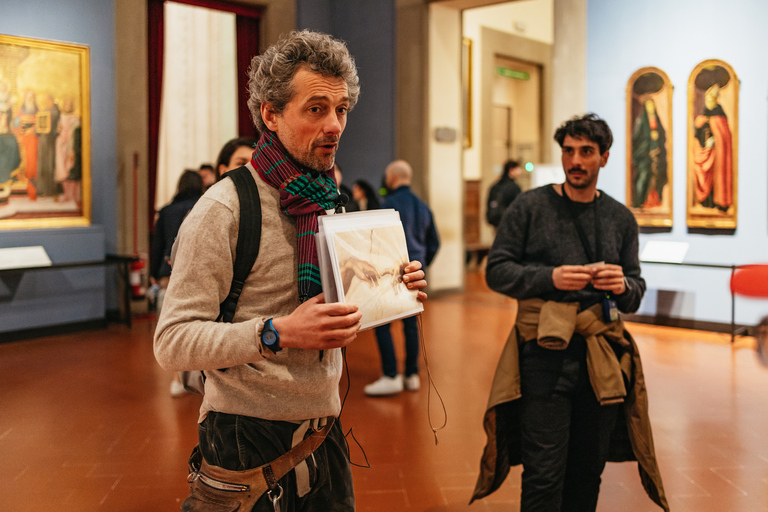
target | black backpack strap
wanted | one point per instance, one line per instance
(248, 237)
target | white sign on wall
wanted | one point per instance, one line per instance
(24, 257)
(664, 252)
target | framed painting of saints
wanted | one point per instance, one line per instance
(45, 178)
(713, 146)
(649, 147)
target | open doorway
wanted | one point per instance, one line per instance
(511, 77)
(225, 36)
(516, 116)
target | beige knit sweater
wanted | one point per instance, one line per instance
(291, 385)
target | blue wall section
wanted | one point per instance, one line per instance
(368, 27)
(676, 36)
(50, 298)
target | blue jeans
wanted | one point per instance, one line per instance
(387, 349)
(238, 443)
(565, 431)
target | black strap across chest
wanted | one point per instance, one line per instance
(592, 257)
(248, 237)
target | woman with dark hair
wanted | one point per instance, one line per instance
(365, 195)
(169, 220)
(235, 153)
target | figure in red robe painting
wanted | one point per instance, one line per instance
(25, 124)
(713, 149)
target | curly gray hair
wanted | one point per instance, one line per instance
(271, 73)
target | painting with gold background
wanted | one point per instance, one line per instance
(649, 147)
(45, 178)
(713, 146)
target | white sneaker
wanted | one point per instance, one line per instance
(412, 382)
(385, 386)
(177, 388)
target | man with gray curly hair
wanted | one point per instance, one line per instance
(269, 434)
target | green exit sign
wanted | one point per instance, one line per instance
(513, 73)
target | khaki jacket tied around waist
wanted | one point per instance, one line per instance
(616, 375)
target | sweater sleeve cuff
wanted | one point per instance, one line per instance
(263, 350)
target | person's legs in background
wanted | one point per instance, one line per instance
(390, 382)
(411, 331)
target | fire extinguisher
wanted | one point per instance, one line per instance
(137, 281)
(137, 265)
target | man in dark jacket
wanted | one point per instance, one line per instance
(422, 242)
(502, 193)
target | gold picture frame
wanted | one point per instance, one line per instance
(649, 147)
(45, 137)
(466, 90)
(713, 146)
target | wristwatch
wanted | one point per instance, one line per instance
(270, 337)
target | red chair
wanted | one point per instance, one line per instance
(752, 281)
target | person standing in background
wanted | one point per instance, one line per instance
(503, 192)
(366, 197)
(169, 219)
(235, 153)
(423, 242)
(351, 205)
(209, 175)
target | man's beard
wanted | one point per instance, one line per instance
(585, 183)
(316, 163)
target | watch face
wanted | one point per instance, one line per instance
(269, 337)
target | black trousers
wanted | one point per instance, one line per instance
(565, 431)
(238, 443)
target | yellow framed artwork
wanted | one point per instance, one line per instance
(713, 146)
(45, 153)
(466, 90)
(649, 147)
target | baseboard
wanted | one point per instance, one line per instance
(685, 323)
(52, 330)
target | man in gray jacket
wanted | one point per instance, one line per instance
(273, 373)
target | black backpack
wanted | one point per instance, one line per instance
(248, 242)
(495, 207)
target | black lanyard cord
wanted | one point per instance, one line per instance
(580, 228)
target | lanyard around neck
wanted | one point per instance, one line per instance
(592, 258)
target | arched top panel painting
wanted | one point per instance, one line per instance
(713, 146)
(649, 147)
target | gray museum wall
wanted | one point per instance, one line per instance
(368, 144)
(62, 297)
(676, 36)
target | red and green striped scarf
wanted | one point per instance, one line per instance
(304, 194)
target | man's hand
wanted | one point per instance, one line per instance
(315, 325)
(413, 277)
(609, 278)
(571, 277)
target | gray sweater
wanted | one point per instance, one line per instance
(292, 385)
(537, 234)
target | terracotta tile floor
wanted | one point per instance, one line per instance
(87, 422)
